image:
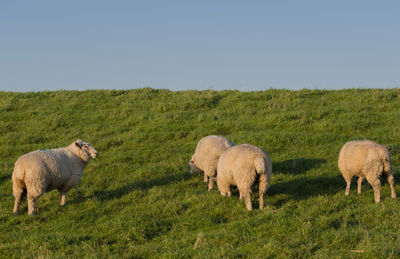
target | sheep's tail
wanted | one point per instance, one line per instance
(259, 164)
(387, 165)
(263, 167)
(18, 182)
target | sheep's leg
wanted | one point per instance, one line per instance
(211, 183)
(212, 178)
(359, 182)
(261, 200)
(226, 192)
(376, 185)
(262, 188)
(18, 194)
(245, 192)
(247, 200)
(31, 204)
(348, 183)
(17, 203)
(224, 189)
(390, 180)
(62, 198)
(377, 190)
(32, 195)
(205, 177)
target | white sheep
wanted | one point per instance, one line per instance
(41, 171)
(366, 159)
(242, 165)
(206, 155)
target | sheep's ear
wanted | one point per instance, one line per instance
(78, 144)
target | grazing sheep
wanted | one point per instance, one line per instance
(241, 165)
(366, 159)
(44, 170)
(205, 158)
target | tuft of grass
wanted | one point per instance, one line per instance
(137, 199)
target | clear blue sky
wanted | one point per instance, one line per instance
(179, 45)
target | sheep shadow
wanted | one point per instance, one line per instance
(296, 166)
(106, 195)
(306, 187)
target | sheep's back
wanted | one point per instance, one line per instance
(209, 149)
(354, 155)
(52, 165)
(239, 159)
(245, 156)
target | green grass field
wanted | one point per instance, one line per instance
(137, 199)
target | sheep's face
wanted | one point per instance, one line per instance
(194, 169)
(87, 151)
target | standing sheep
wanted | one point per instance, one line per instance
(366, 159)
(206, 155)
(41, 171)
(241, 165)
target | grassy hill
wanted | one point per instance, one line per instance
(138, 200)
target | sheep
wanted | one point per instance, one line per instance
(206, 155)
(366, 159)
(41, 171)
(241, 165)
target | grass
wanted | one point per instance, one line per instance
(137, 199)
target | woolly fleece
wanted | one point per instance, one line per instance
(206, 155)
(41, 171)
(366, 159)
(242, 165)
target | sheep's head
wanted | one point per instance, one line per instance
(194, 169)
(86, 150)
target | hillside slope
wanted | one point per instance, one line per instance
(137, 198)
